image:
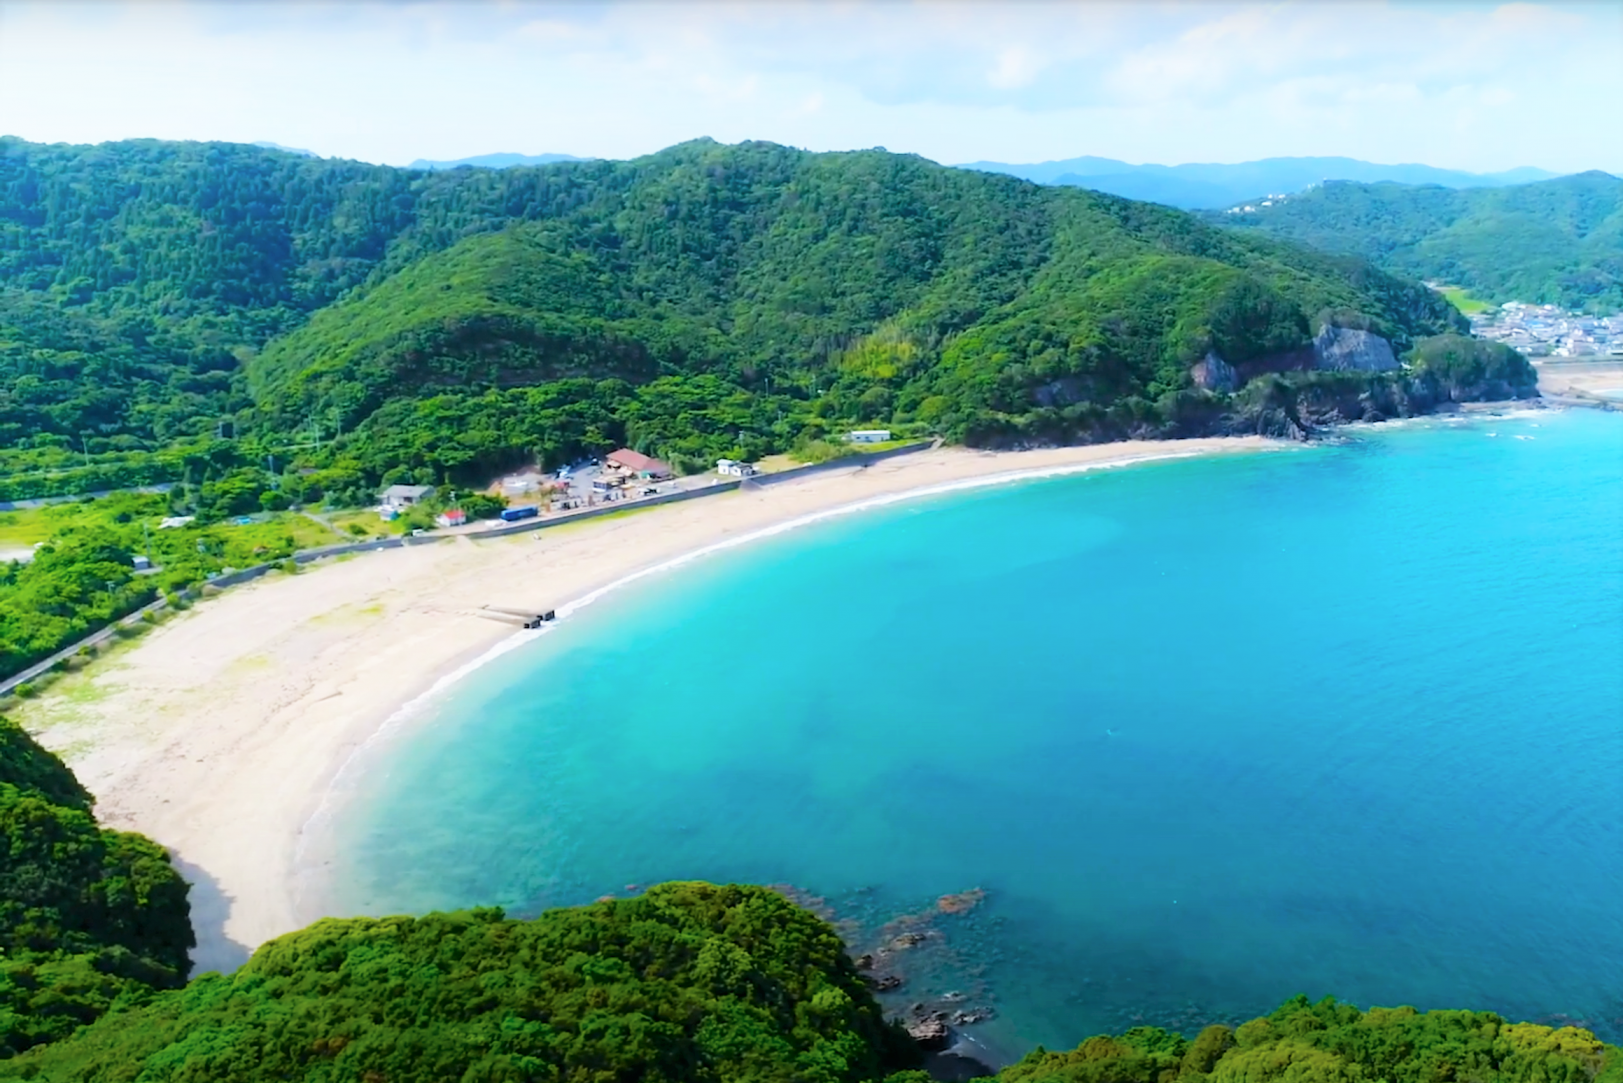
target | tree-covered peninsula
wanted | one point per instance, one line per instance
(686, 983)
(369, 324)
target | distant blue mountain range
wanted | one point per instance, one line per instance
(1217, 186)
(497, 161)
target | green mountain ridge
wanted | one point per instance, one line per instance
(1551, 242)
(845, 288)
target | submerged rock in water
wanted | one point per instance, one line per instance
(961, 903)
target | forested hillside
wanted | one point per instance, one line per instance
(704, 300)
(1553, 242)
(89, 918)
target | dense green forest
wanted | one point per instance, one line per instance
(1553, 242)
(90, 919)
(702, 301)
(687, 982)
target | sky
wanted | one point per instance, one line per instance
(1464, 85)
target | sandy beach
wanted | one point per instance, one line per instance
(219, 733)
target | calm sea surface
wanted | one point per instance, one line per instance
(1346, 720)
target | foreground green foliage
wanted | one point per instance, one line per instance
(689, 982)
(1553, 242)
(89, 918)
(1329, 1042)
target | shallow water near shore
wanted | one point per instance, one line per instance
(1208, 733)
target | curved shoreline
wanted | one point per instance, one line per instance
(400, 718)
(225, 734)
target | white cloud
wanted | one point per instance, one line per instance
(1480, 87)
(1016, 66)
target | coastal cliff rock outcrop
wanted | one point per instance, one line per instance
(1212, 373)
(1342, 349)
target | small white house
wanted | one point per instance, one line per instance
(868, 436)
(734, 468)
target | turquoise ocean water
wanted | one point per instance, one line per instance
(1345, 720)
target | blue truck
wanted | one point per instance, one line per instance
(513, 515)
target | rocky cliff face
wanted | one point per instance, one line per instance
(1212, 373)
(1342, 349)
(1345, 375)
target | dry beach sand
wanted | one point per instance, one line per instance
(219, 733)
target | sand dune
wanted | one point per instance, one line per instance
(219, 733)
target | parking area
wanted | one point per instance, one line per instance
(590, 484)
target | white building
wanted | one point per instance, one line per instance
(868, 436)
(396, 497)
(734, 468)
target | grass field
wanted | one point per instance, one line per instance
(1461, 298)
(22, 528)
(371, 526)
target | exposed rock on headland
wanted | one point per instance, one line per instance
(1212, 373)
(1341, 349)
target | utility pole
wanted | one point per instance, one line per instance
(85, 444)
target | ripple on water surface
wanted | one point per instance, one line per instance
(1206, 733)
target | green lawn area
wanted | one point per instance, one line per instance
(307, 534)
(1461, 298)
(367, 520)
(22, 528)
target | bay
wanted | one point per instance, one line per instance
(1344, 720)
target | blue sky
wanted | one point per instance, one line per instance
(1479, 86)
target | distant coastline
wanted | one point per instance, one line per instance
(220, 735)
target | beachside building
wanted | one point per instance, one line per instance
(398, 497)
(868, 436)
(451, 517)
(636, 464)
(734, 469)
